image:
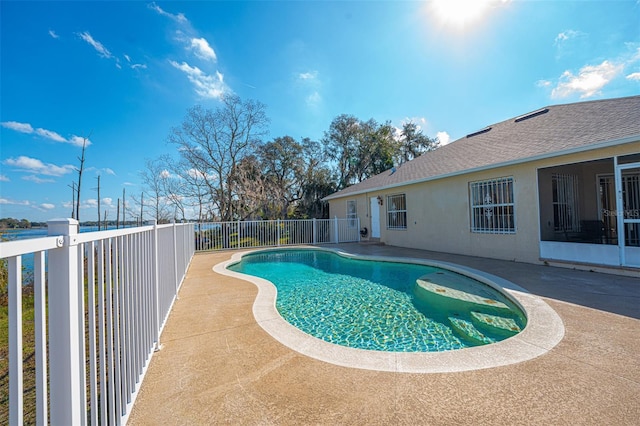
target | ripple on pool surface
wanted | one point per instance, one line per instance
(374, 305)
(362, 314)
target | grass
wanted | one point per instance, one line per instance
(28, 356)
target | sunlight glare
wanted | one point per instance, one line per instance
(459, 12)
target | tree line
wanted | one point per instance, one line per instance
(223, 168)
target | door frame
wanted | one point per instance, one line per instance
(375, 209)
(621, 219)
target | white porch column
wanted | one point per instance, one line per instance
(65, 320)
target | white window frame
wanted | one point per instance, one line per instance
(352, 213)
(396, 217)
(492, 206)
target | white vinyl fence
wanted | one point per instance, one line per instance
(273, 233)
(101, 300)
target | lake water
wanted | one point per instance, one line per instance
(24, 234)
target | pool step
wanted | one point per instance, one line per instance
(469, 330)
(496, 321)
(451, 286)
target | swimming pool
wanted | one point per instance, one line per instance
(383, 306)
(543, 331)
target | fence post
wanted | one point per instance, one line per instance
(358, 229)
(174, 247)
(278, 231)
(238, 228)
(335, 227)
(65, 380)
(315, 229)
(156, 286)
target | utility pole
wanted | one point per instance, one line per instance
(73, 199)
(124, 209)
(141, 207)
(98, 202)
(84, 146)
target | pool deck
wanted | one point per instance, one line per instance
(218, 366)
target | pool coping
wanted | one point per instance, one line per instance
(544, 329)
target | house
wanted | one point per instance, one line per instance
(560, 185)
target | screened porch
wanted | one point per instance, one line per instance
(590, 211)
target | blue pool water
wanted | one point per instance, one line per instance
(379, 305)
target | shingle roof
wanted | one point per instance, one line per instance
(547, 132)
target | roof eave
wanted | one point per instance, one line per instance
(599, 145)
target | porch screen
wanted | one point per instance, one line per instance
(352, 213)
(396, 212)
(566, 215)
(492, 206)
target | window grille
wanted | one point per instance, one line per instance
(566, 215)
(352, 213)
(492, 206)
(396, 211)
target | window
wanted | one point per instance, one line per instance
(352, 213)
(492, 206)
(566, 215)
(396, 212)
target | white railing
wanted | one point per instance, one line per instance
(273, 233)
(103, 297)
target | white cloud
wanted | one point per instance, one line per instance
(443, 137)
(4, 178)
(314, 99)
(589, 80)
(311, 85)
(206, 85)
(89, 203)
(103, 51)
(196, 174)
(36, 179)
(180, 18)
(78, 141)
(312, 75)
(34, 165)
(133, 66)
(18, 127)
(14, 202)
(568, 35)
(634, 76)
(49, 134)
(47, 206)
(108, 171)
(544, 83)
(202, 49)
(53, 34)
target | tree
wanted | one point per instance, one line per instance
(318, 182)
(359, 149)
(212, 143)
(340, 145)
(283, 166)
(413, 143)
(154, 177)
(80, 170)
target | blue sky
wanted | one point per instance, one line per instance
(123, 74)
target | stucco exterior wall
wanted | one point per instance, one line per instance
(438, 212)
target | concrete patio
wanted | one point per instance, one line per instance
(218, 366)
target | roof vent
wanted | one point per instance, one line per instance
(393, 170)
(479, 132)
(532, 114)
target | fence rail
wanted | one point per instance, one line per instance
(273, 233)
(100, 301)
